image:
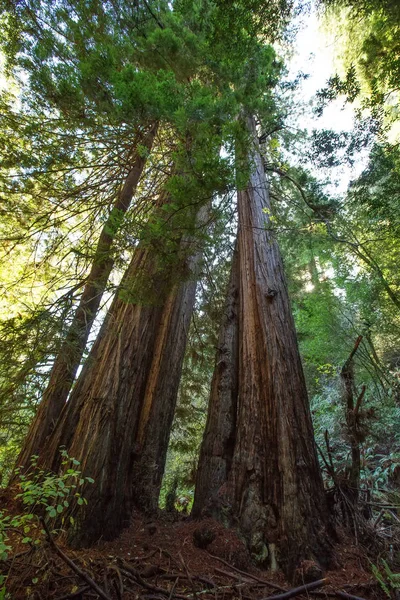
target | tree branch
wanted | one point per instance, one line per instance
(299, 590)
(72, 565)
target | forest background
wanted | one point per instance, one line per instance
(340, 245)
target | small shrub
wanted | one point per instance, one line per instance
(44, 494)
(392, 580)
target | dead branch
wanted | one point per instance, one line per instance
(173, 588)
(72, 565)
(236, 576)
(329, 451)
(267, 583)
(120, 587)
(379, 517)
(359, 400)
(75, 594)
(299, 590)
(173, 576)
(347, 377)
(347, 596)
(351, 355)
(131, 572)
(335, 594)
(327, 465)
(188, 575)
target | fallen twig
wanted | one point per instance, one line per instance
(173, 576)
(173, 588)
(336, 594)
(299, 590)
(267, 583)
(145, 557)
(378, 518)
(235, 576)
(129, 571)
(188, 575)
(24, 553)
(347, 596)
(73, 566)
(120, 587)
(396, 518)
(242, 580)
(365, 584)
(75, 594)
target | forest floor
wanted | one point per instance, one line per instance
(161, 560)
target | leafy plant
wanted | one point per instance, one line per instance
(3, 592)
(44, 494)
(392, 581)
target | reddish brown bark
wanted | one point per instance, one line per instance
(118, 419)
(70, 354)
(219, 436)
(273, 492)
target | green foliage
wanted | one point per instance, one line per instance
(338, 254)
(333, 149)
(170, 495)
(95, 76)
(369, 54)
(389, 583)
(191, 410)
(44, 495)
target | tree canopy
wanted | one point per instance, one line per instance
(168, 227)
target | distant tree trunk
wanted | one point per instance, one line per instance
(70, 354)
(117, 422)
(273, 492)
(219, 436)
(352, 422)
(313, 270)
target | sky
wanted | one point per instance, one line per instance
(314, 56)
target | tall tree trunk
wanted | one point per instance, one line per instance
(273, 492)
(70, 354)
(118, 419)
(218, 444)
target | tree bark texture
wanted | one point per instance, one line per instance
(71, 351)
(118, 419)
(219, 436)
(273, 490)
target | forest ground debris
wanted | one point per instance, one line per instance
(140, 565)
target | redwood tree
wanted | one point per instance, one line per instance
(71, 351)
(259, 432)
(219, 436)
(119, 415)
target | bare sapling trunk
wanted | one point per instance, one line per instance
(273, 492)
(118, 419)
(69, 357)
(354, 430)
